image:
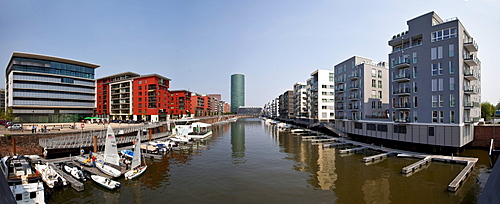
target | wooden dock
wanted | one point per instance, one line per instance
(321, 141)
(75, 184)
(337, 144)
(314, 137)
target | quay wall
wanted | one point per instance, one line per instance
(27, 142)
(483, 135)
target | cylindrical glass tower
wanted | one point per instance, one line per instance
(237, 91)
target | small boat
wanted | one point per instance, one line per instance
(22, 179)
(301, 131)
(83, 160)
(50, 176)
(105, 182)
(73, 171)
(127, 153)
(110, 155)
(200, 131)
(136, 169)
(178, 139)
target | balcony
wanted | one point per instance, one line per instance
(353, 87)
(470, 104)
(471, 60)
(471, 119)
(402, 120)
(471, 46)
(353, 76)
(402, 91)
(339, 107)
(402, 106)
(341, 117)
(355, 108)
(403, 64)
(471, 74)
(471, 90)
(354, 97)
(402, 77)
(339, 98)
(339, 81)
(339, 89)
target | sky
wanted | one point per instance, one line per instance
(199, 44)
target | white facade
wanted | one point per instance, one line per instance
(300, 100)
(321, 95)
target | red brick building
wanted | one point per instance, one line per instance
(179, 104)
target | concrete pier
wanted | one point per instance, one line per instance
(337, 144)
(353, 150)
(377, 157)
(75, 184)
(412, 168)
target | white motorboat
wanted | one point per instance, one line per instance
(24, 182)
(136, 169)
(105, 182)
(73, 171)
(50, 176)
(110, 155)
(180, 139)
(301, 131)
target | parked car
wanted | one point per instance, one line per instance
(7, 124)
(16, 127)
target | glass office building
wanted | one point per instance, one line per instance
(237, 91)
(46, 89)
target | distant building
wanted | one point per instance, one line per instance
(41, 88)
(286, 105)
(237, 91)
(300, 110)
(180, 104)
(2, 99)
(250, 110)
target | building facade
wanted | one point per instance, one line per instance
(49, 89)
(180, 104)
(321, 96)
(237, 91)
(300, 111)
(361, 89)
(286, 111)
(130, 96)
(435, 85)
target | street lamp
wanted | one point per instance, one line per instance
(33, 117)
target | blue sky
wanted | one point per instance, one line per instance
(200, 43)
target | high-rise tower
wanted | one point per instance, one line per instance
(237, 91)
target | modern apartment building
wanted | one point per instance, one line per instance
(361, 89)
(180, 104)
(321, 96)
(286, 105)
(130, 96)
(41, 88)
(300, 111)
(434, 86)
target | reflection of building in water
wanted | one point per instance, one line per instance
(238, 142)
(376, 191)
(326, 172)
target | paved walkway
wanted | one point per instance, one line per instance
(63, 127)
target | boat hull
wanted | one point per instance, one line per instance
(108, 170)
(105, 182)
(135, 172)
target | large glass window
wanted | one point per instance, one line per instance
(443, 34)
(451, 50)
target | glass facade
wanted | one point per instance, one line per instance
(49, 67)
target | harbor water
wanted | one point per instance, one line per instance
(250, 162)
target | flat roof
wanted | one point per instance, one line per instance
(53, 58)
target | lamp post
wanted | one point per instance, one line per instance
(33, 113)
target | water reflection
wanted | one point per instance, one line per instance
(238, 142)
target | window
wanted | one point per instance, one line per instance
(452, 100)
(433, 53)
(434, 100)
(431, 131)
(414, 87)
(330, 75)
(440, 87)
(452, 116)
(414, 72)
(441, 100)
(440, 67)
(379, 94)
(440, 52)
(414, 57)
(415, 101)
(443, 34)
(140, 81)
(452, 83)
(140, 105)
(140, 99)
(381, 128)
(374, 73)
(140, 93)
(434, 68)
(374, 94)
(434, 116)
(434, 84)
(441, 114)
(358, 125)
(451, 50)
(451, 67)
(379, 84)
(140, 87)
(371, 126)
(379, 74)
(415, 117)
(374, 83)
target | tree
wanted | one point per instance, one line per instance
(487, 110)
(7, 115)
(498, 106)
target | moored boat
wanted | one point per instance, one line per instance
(105, 182)
(110, 155)
(136, 169)
(50, 176)
(24, 182)
(73, 171)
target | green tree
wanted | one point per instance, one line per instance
(487, 110)
(498, 106)
(7, 114)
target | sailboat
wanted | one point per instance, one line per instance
(110, 155)
(136, 169)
